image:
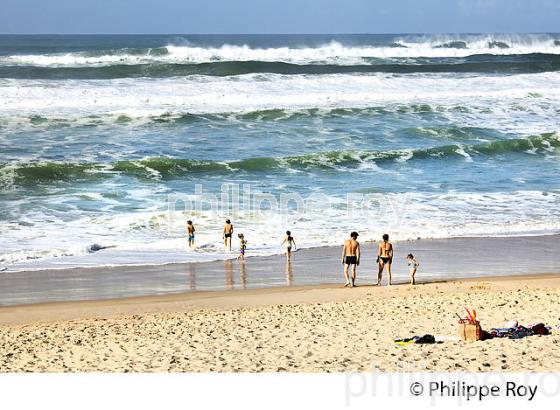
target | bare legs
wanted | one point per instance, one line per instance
(349, 282)
(380, 272)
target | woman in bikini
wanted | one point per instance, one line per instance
(384, 257)
(290, 244)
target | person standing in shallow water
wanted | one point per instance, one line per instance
(190, 233)
(242, 247)
(384, 258)
(227, 233)
(351, 257)
(290, 244)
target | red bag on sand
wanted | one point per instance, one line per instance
(540, 329)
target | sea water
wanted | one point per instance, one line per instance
(105, 140)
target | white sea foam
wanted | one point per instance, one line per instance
(149, 237)
(330, 53)
(142, 99)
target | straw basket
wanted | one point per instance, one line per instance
(468, 331)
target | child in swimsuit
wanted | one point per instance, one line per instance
(290, 244)
(412, 267)
(190, 232)
(242, 246)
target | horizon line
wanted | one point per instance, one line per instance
(276, 34)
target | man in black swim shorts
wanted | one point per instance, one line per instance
(228, 231)
(351, 257)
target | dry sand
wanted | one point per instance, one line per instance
(304, 329)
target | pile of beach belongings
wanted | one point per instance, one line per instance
(426, 339)
(514, 330)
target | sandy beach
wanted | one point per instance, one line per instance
(299, 329)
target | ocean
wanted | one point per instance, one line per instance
(105, 142)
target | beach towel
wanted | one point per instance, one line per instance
(520, 332)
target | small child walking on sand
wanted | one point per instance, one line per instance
(242, 247)
(412, 267)
(290, 244)
(190, 233)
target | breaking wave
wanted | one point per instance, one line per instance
(331, 53)
(168, 168)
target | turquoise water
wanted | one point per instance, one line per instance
(445, 135)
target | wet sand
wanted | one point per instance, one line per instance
(300, 329)
(440, 260)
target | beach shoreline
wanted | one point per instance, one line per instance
(265, 318)
(440, 259)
